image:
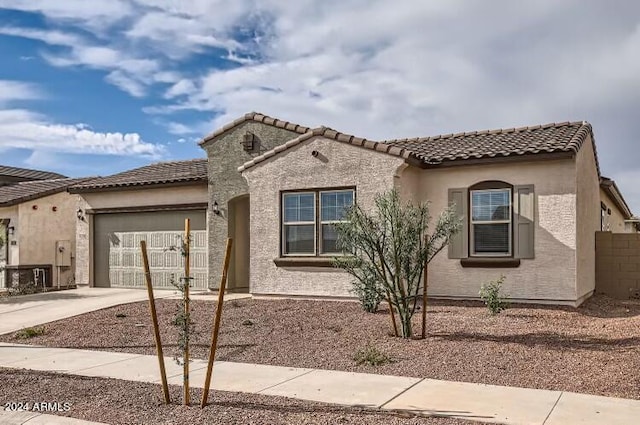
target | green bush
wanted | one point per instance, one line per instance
(371, 356)
(27, 333)
(369, 291)
(491, 294)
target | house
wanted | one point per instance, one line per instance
(11, 175)
(148, 203)
(615, 214)
(37, 230)
(530, 199)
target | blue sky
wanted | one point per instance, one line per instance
(96, 87)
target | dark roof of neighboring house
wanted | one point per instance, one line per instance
(26, 191)
(27, 174)
(566, 137)
(257, 117)
(611, 189)
(165, 173)
(548, 138)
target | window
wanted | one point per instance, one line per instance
(491, 222)
(498, 224)
(299, 223)
(302, 232)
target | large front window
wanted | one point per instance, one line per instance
(491, 222)
(308, 219)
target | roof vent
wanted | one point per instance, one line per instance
(248, 141)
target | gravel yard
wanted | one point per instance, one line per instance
(115, 401)
(594, 349)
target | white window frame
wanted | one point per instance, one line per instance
(299, 223)
(473, 223)
(321, 249)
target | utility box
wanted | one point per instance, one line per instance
(63, 253)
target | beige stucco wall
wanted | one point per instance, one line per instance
(39, 229)
(551, 274)
(588, 216)
(197, 193)
(338, 165)
(615, 221)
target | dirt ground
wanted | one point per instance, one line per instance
(593, 349)
(114, 401)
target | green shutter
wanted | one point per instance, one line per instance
(524, 221)
(458, 247)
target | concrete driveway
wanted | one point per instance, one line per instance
(31, 310)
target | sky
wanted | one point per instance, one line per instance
(96, 87)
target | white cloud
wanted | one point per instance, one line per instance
(375, 68)
(11, 91)
(52, 37)
(126, 84)
(179, 129)
(22, 129)
(95, 14)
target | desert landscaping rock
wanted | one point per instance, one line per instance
(594, 349)
(115, 401)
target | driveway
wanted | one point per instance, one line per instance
(31, 310)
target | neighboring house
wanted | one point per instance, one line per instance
(530, 200)
(11, 175)
(37, 231)
(148, 203)
(615, 215)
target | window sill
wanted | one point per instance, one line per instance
(303, 262)
(490, 263)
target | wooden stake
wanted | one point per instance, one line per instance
(187, 281)
(424, 300)
(154, 319)
(393, 316)
(216, 323)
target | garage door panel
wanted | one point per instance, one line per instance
(163, 261)
(118, 260)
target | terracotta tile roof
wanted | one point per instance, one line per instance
(173, 172)
(548, 138)
(437, 150)
(26, 191)
(27, 174)
(330, 134)
(257, 117)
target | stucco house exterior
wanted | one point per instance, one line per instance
(37, 232)
(530, 199)
(147, 203)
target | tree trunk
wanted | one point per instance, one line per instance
(405, 322)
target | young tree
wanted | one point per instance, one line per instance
(394, 244)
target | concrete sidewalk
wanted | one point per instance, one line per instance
(485, 403)
(35, 418)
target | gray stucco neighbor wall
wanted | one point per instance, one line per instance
(226, 153)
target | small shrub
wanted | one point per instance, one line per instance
(368, 290)
(492, 296)
(370, 355)
(27, 333)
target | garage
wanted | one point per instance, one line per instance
(117, 256)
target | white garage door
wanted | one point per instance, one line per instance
(117, 256)
(165, 258)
